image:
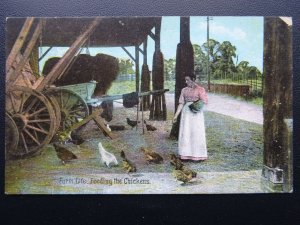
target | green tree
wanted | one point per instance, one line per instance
(242, 70)
(200, 61)
(169, 68)
(126, 66)
(227, 51)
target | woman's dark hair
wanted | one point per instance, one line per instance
(192, 76)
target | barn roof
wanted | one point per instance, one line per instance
(112, 31)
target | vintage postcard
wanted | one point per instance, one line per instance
(148, 105)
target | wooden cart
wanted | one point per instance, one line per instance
(35, 111)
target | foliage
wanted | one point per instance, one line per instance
(126, 66)
(169, 68)
(200, 62)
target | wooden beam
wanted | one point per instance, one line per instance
(141, 51)
(19, 43)
(145, 51)
(140, 94)
(13, 73)
(128, 53)
(102, 126)
(98, 120)
(137, 69)
(157, 36)
(152, 35)
(46, 52)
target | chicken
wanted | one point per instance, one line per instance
(132, 123)
(152, 156)
(107, 158)
(181, 176)
(117, 127)
(187, 171)
(64, 154)
(108, 127)
(76, 139)
(127, 164)
(175, 161)
(150, 127)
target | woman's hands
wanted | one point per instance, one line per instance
(174, 119)
(179, 108)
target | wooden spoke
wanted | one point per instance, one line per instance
(24, 142)
(31, 104)
(22, 102)
(37, 129)
(30, 135)
(12, 103)
(61, 100)
(37, 112)
(67, 101)
(39, 121)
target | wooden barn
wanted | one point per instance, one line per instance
(37, 110)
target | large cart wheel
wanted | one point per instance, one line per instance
(72, 107)
(11, 136)
(34, 117)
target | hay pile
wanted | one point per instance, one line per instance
(102, 68)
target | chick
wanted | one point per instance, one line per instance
(127, 164)
(175, 161)
(150, 127)
(107, 158)
(181, 176)
(132, 123)
(64, 154)
(152, 156)
(187, 171)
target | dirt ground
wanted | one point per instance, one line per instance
(235, 149)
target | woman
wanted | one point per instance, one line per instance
(191, 139)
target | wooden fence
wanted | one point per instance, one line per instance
(231, 89)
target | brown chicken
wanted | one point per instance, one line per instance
(175, 161)
(64, 154)
(181, 176)
(151, 156)
(187, 171)
(127, 164)
(150, 127)
(76, 139)
(132, 123)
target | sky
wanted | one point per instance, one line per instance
(245, 33)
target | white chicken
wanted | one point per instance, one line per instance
(107, 158)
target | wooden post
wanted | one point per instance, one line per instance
(137, 69)
(34, 61)
(145, 81)
(277, 97)
(158, 106)
(14, 73)
(184, 65)
(18, 43)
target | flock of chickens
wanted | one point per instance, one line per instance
(181, 172)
